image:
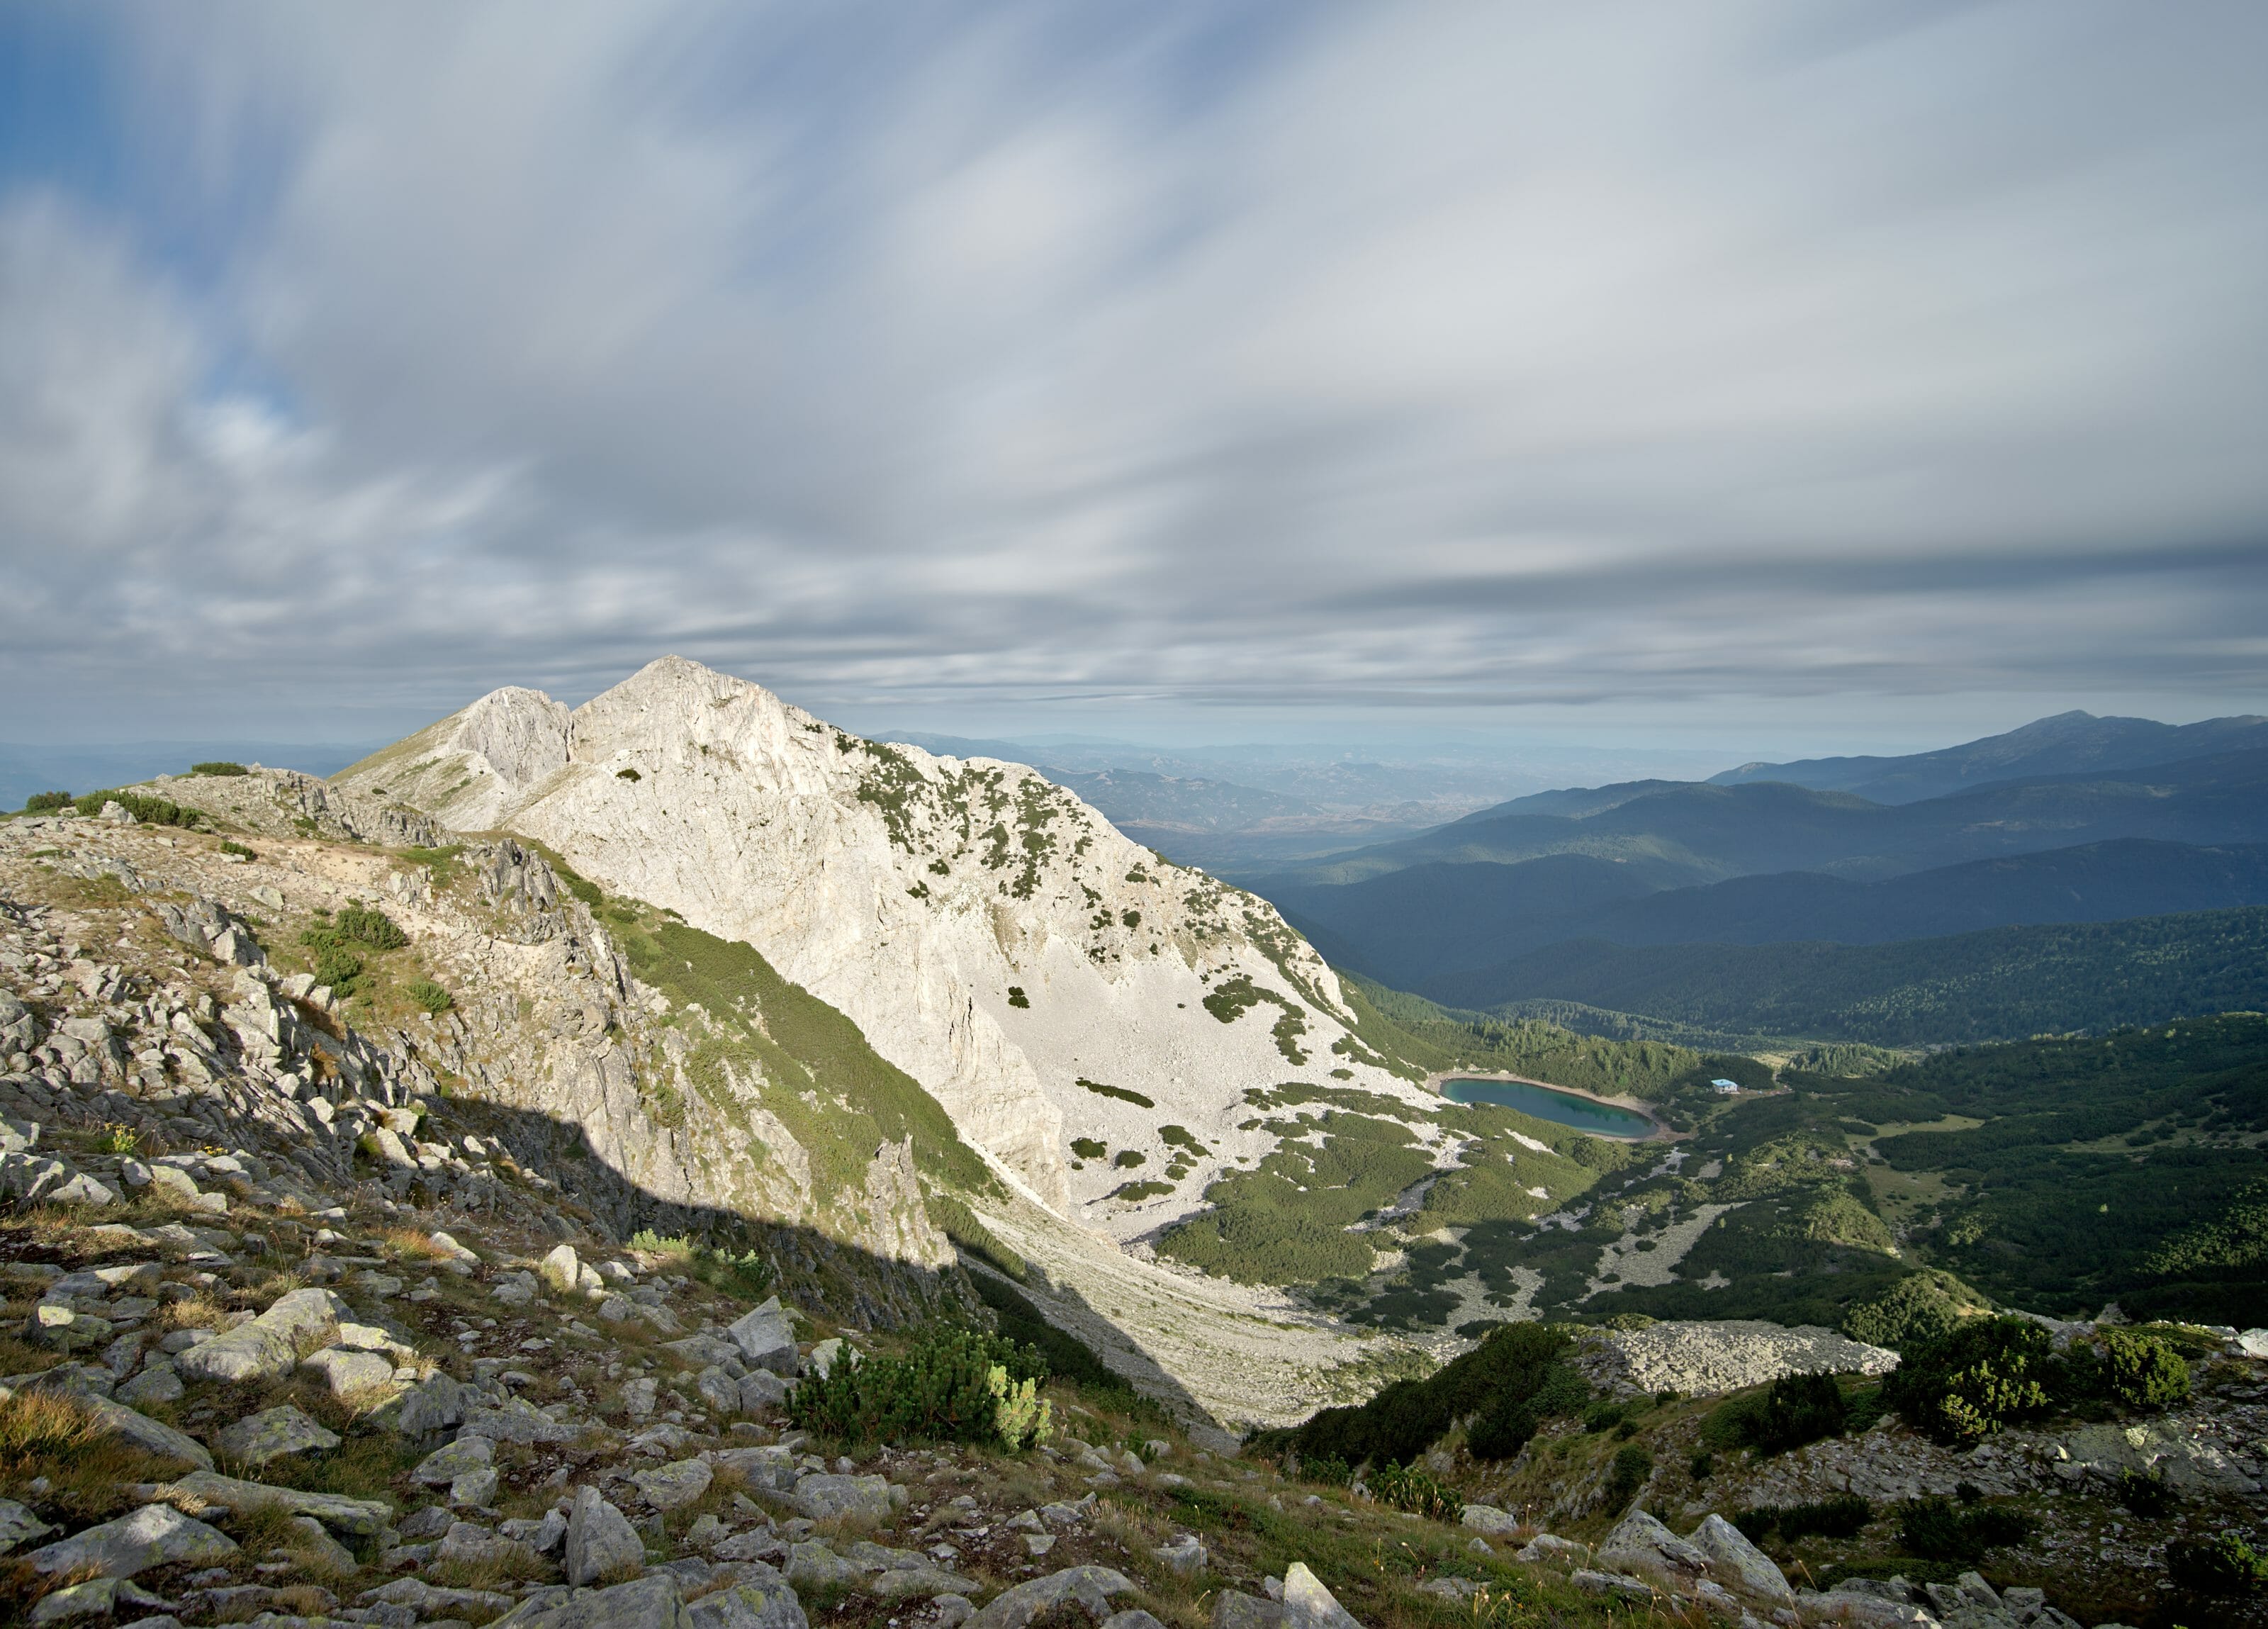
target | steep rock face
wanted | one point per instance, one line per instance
(990, 934)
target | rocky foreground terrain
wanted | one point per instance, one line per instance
(406, 1304)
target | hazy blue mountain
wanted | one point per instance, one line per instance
(2069, 743)
(1426, 922)
(2001, 984)
(1709, 833)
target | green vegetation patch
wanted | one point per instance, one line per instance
(1122, 1094)
(951, 1384)
(1285, 1221)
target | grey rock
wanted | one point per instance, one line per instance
(813, 1566)
(826, 1496)
(153, 1535)
(430, 1523)
(152, 1437)
(97, 1598)
(1549, 1549)
(768, 1466)
(474, 1487)
(669, 1487)
(1186, 1555)
(600, 1539)
(654, 1601)
(749, 1604)
(359, 1517)
(719, 1391)
(157, 1382)
(19, 1526)
(436, 1405)
(1233, 1608)
(705, 1350)
(272, 1433)
(766, 1337)
(473, 1545)
(314, 1542)
(519, 1420)
(761, 1391)
(1308, 1605)
(1091, 1587)
(445, 1465)
(1621, 1585)
(1489, 1519)
(267, 1345)
(432, 1601)
(349, 1372)
(1643, 1545)
(1738, 1564)
(1133, 1618)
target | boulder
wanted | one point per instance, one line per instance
(348, 1372)
(766, 1337)
(750, 1603)
(1308, 1605)
(445, 1465)
(475, 1488)
(519, 1420)
(156, 1383)
(312, 1543)
(432, 1601)
(266, 1347)
(562, 1270)
(671, 1486)
(910, 1583)
(769, 1466)
(823, 1496)
(356, 1517)
(1233, 1608)
(761, 1389)
(654, 1601)
(1738, 1564)
(1186, 1555)
(153, 1535)
(1489, 1519)
(114, 1598)
(1641, 1545)
(436, 1405)
(600, 1539)
(152, 1437)
(19, 1526)
(1550, 1550)
(1621, 1585)
(273, 1432)
(472, 1545)
(813, 1566)
(1091, 1587)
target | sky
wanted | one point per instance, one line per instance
(1764, 378)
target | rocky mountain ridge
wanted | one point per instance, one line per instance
(1040, 975)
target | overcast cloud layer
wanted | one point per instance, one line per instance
(355, 359)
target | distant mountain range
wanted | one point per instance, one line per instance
(2071, 819)
(2069, 743)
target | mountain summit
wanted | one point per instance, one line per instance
(1041, 975)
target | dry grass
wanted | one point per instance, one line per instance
(49, 1434)
(409, 1243)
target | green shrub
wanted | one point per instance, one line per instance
(150, 811)
(1989, 1372)
(953, 1384)
(1512, 1381)
(2222, 1565)
(627, 775)
(1936, 1529)
(962, 1225)
(2140, 1370)
(1840, 1516)
(430, 996)
(217, 766)
(367, 926)
(1631, 1467)
(2145, 1493)
(1129, 1158)
(1016, 997)
(1122, 1094)
(1797, 1410)
(41, 802)
(1088, 1148)
(1915, 1311)
(1407, 1487)
(339, 968)
(238, 849)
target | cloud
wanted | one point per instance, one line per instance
(1306, 357)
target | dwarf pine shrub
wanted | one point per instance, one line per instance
(1988, 1374)
(41, 802)
(953, 1384)
(1408, 1487)
(429, 996)
(2141, 1370)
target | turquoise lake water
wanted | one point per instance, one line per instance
(1560, 1108)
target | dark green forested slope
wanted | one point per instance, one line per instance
(2003, 983)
